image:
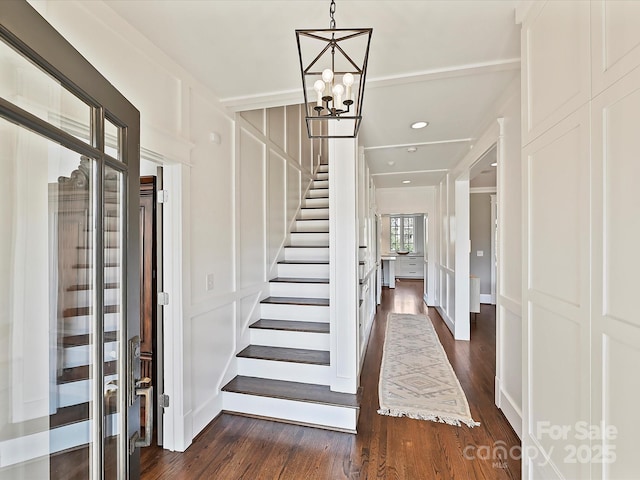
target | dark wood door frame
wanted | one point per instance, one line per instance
(149, 285)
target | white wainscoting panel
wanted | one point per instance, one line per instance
(251, 219)
(276, 126)
(556, 79)
(276, 205)
(615, 41)
(616, 263)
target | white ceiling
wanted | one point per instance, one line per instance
(446, 62)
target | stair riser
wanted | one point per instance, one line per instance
(81, 355)
(325, 416)
(110, 239)
(309, 254)
(303, 270)
(309, 239)
(307, 313)
(316, 202)
(308, 290)
(74, 393)
(111, 275)
(84, 298)
(323, 168)
(292, 372)
(84, 324)
(315, 213)
(312, 226)
(320, 184)
(322, 176)
(318, 193)
(287, 339)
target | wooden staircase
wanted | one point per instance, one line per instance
(284, 374)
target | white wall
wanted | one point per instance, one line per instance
(221, 213)
(508, 385)
(480, 235)
(581, 335)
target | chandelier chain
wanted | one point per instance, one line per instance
(332, 10)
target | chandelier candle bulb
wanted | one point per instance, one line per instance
(348, 82)
(338, 90)
(319, 88)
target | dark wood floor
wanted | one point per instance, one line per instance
(234, 447)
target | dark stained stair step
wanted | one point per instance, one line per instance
(318, 302)
(80, 340)
(291, 326)
(75, 374)
(301, 392)
(304, 262)
(299, 280)
(84, 311)
(279, 354)
(86, 286)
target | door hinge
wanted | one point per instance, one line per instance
(163, 400)
(163, 298)
(163, 196)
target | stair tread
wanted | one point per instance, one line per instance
(68, 415)
(280, 354)
(310, 231)
(80, 340)
(302, 392)
(76, 374)
(306, 246)
(299, 280)
(84, 311)
(320, 302)
(291, 326)
(314, 208)
(89, 265)
(87, 286)
(304, 262)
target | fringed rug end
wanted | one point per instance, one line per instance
(433, 418)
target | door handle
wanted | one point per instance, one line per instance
(144, 389)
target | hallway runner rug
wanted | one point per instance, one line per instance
(416, 378)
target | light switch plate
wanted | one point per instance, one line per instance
(480, 253)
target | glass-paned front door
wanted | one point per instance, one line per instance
(68, 255)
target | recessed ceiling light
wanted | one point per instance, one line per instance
(420, 124)
(494, 164)
(412, 149)
(406, 181)
(391, 162)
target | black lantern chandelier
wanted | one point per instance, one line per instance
(336, 77)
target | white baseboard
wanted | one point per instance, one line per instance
(511, 410)
(486, 298)
(205, 413)
(447, 320)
